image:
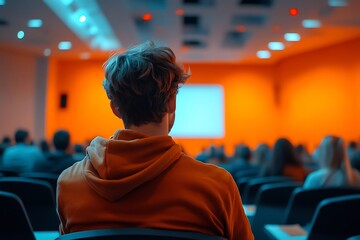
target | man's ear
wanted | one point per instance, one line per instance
(115, 110)
(171, 107)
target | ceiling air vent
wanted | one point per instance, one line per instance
(236, 39)
(199, 2)
(3, 23)
(192, 25)
(259, 3)
(248, 20)
(193, 43)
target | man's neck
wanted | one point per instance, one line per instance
(153, 129)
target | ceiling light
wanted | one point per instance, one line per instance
(179, 12)
(2, 2)
(276, 46)
(82, 18)
(338, 3)
(263, 54)
(292, 37)
(67, 2)
(65, 45)
(86, 19)
(35, 23)
(47, 52)
(311, 23)
(20, 34)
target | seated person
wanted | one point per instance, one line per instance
(335, 169)
(355, 160)
(79, 152)
(60, 159)
(140, 178)
(283, 162)
(22, 156)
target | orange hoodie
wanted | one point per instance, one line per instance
(135, 180)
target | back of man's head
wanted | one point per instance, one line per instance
(61, 140)
(141, 81)
(21, 136)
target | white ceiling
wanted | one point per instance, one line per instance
(339, 24)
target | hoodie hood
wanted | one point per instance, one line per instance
(130, 159)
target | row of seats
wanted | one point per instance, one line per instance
(285, 202)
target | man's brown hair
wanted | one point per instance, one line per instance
(141, 81)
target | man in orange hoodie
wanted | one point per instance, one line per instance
(140, 178)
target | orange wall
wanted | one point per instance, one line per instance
(303, 97)
(319, 94)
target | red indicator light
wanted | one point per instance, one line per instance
(147, 17)
(179, 12)
(293, 12)
(241, 28)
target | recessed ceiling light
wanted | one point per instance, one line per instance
(292, 37)
(311, 23)
(276, 46)
(35, 23)
(2, 2)
(47, 52)
(65, 45)
(67, 2)
(82, 18)
(20, 34)
(263, 54)
(338, 3)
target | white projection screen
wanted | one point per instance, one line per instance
(199, 112)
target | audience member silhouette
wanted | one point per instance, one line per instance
(22, 157)
(5, 143)
(79, 152)
(283, 162)
(60, 159)
(44, 146)
(261, 155)
(241, 159)
(335, 168)
(355, 160)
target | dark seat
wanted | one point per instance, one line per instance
(270, 204)
(253, 185)
(336, 218)
(14, 223)
(38, 199)
(8, 172)
(47, 177)
(354, 238)
(252, 172)
(137, 234)
(303, 202)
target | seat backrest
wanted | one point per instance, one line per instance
(303, 202)
(47, 177)
(270, 204)
(254, 185)
(357, 237)
(241, 183)
(8, 172)
(137, 234)
(38, 199)
(253, 172)
(14, 223)
(336, 218)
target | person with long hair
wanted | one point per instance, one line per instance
(283, 162)
(335, 166)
